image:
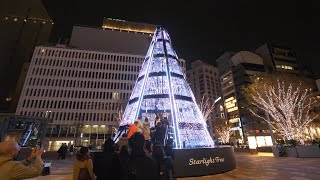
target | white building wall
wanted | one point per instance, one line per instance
(71, 85)
(204, 80)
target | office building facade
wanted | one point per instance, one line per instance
(204, 82)
(78, 89)
(245, 67)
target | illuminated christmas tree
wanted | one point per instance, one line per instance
(161, 89)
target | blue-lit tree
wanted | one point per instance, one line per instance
(161, 88)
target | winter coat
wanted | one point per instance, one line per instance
(83, 164)
(142, 167)
(12, 170)
(132, 129)
(122, 141)
(146, 131)
(106, 165)
(165, 169)
(64, 149)
(160, 134)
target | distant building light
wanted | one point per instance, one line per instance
(42, 50)
(6, 18)
(229, 99)
(15, 19)
(284, 67)
(25, 20)
(8, 99)
(43, 22)
(232, 109)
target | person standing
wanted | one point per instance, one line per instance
(132, 129)
(83, 167)
(165, 164)
(64, 150)
(148, 147)
(106, 165)
(160, 133)
(146, 130)
(71, 149)
(140, 166)
(10, 169)
(168, 148)
(124, 159)
(60, 151)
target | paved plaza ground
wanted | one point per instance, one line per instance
(260, 166)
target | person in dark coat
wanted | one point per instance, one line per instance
(148, 147)
(160, 133)
(140, 166)
(71, 150)
(124, 160)
(64, 150)
(106, 165)
(152, 134)
(165, 164)
(168, 149)
(60, 151)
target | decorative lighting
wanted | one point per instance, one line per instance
(287, 107)
(161, 88)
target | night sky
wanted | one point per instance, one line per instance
(206, 29)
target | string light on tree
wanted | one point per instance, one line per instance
(288, 104)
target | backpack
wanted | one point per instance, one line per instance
(165, 172)
(132, 172)
(84, 173)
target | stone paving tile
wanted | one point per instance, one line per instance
(249, 167)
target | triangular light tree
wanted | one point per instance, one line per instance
(161, 88)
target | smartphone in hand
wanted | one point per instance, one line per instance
(39, 145)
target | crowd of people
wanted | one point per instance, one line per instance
(139, 154)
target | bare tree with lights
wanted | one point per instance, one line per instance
(222, 129)
(221, 126)
(206, 107)
(118, 117)
(288, 100)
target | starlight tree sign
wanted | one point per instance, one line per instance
(203, 161)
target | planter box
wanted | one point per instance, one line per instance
(275, 151)
(291, 151)
(308, 151)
